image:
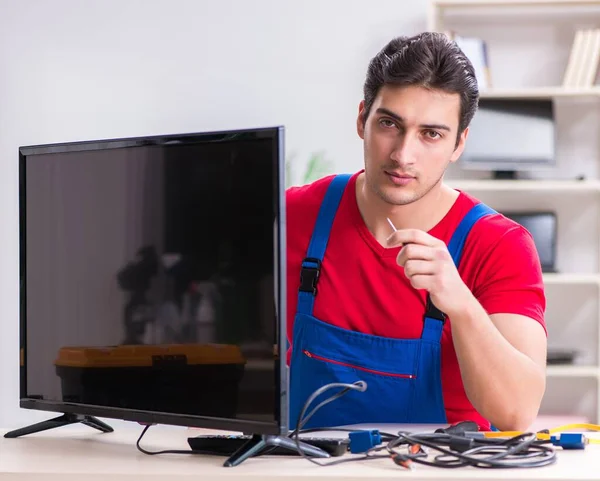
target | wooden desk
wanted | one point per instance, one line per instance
(78, 453)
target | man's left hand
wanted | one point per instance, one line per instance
(428, 265)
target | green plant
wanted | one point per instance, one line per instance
(317, 166)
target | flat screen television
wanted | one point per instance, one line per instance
(508, 136)
(152, 281)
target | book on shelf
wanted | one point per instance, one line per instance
(476, 50)
(582, 66)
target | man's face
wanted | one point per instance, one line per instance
(409, 140)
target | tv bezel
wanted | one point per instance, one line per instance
(280, 425)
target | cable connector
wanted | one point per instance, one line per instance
(570, 440)
(461, 444)
(362, 441)
(460, 429)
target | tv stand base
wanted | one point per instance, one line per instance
(259, 442)
(63, 420)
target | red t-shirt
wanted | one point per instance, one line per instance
(363, 289)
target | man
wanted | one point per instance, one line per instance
(429, 296)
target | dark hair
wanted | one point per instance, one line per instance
(430, 60)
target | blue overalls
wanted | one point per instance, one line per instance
(402, 375)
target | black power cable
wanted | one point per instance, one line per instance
(359, 385)
(166, 451)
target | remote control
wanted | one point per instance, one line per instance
(226, 445)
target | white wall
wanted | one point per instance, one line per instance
(72, 70)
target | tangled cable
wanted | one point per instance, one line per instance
(457, 446)
(456, 451)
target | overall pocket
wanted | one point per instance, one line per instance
(387, 399)
(349, 365)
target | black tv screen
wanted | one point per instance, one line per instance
(151, 279)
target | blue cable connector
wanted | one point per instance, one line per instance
(362, 441)
(570, 440)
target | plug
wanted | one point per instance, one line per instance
(460, 428)
(461, 444)
(362, 441)
(570, 440)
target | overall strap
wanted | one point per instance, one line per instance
(432, 328)
(311, 265)
(457, 242)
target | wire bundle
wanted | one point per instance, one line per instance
(454, 447)
(456, 451)
(523, 450)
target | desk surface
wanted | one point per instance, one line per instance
(80, 453)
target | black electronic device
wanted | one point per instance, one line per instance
(543, 228)
(508, 136)
(152, 274)
(557, 356)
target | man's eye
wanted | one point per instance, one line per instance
(432, 134)
(386, 123)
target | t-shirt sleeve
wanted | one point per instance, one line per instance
(511, 280)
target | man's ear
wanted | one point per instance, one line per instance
(360, 120)
(460, 147)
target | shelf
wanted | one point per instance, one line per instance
(541, 93)
(514, 3)
(554, 186)
(571, 279)
(572, 371)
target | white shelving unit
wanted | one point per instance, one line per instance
(541, 93)
(442, 4)
(583, 379)
(571, 187)
(572, 279)
(572, 371)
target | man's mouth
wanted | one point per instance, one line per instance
(399, 178)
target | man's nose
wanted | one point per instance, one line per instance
(405, 149)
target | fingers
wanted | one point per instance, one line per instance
(414, 268)
(412, 236)
(423, 281)
(416, 252)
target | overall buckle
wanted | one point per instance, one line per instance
(433, 312)
(309, 275)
